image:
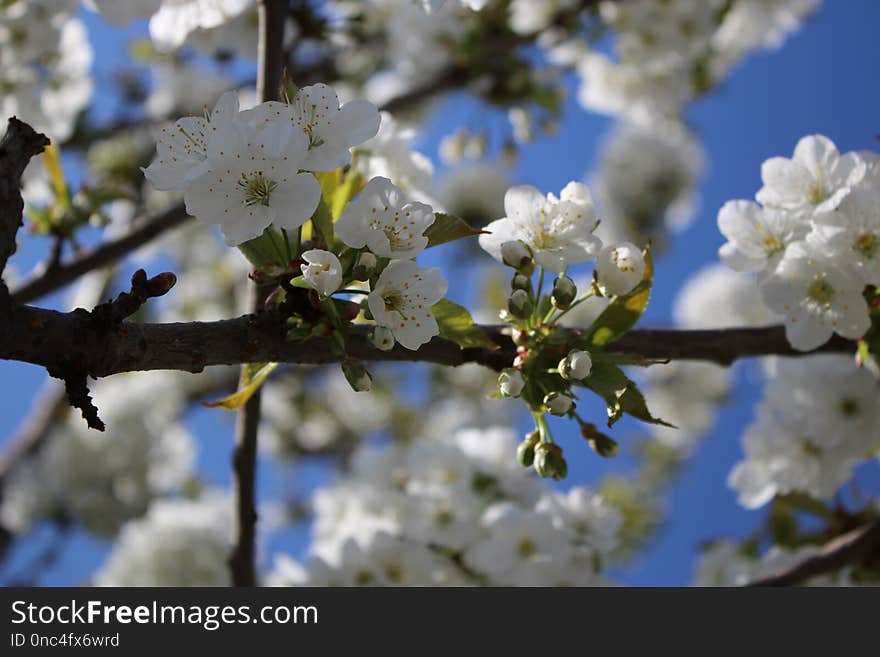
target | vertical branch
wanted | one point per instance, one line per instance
(20, 143)
(272, 14)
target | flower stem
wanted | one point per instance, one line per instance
(298, 243)
(276, 246)
(287, 245)
(573, 306)
(538, 292)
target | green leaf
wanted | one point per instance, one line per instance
(448, 228)
(338, 188)
(624, 311)
(266, 251)
(253, 375)
(52, 164)
(621, 394)
(322, 226)
(457, 325)
(635, 360)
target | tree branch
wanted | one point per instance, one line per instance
(20, 143)
(842, 551)
(45, 337)
(104, 255)
(242, 562)
(457, 76)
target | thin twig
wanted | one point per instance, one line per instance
(106, 254)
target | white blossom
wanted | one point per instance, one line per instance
(818, 418)
(815, 180)
(559, 231)
(511, 382)
(645, 182)
(252, 181)
(576, 365)
(716, 297)
(518, 540)
(175, 20)
(322, 271)
(402, 301)
(177, 543)
(382, 338)
(382, 220)
(784, 454)
(851, 234)
(331, 131)
(817, 297)
(389, 155)
(757, 237)
(620, 268)
(182, 148)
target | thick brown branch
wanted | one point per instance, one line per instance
(107, 254)
(842, 551)
(42, 337)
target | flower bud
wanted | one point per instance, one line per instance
(564, 292)
(357, 376)
(620, 268)
(519, 337)
(558, 403)
(520, 282)
(549, 462)
(322, 271)
(600, 443)
(511, 382)
(382, 338)
(520, 304)
(525, 452)
(364, 267)
(516, 254)
(576, 366)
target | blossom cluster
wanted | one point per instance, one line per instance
(817, 420)
(252, 171)
(178, 542)
(454, 511)
(45, 64)
(551, 234)
(645, 182)
(246, 170)
(812, 239)
(669, 51)
(103, 479)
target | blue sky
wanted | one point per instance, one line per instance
(822, 81)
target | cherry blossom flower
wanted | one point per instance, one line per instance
(402, 300)
(322, 271)
(815, 180)
(331, 130)
(757, 237)
(182, 149)
(175, 20)
(852, 233)
(382, 220)
(252, 181)
(817, 298)
(620, 268)
(559, 231)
